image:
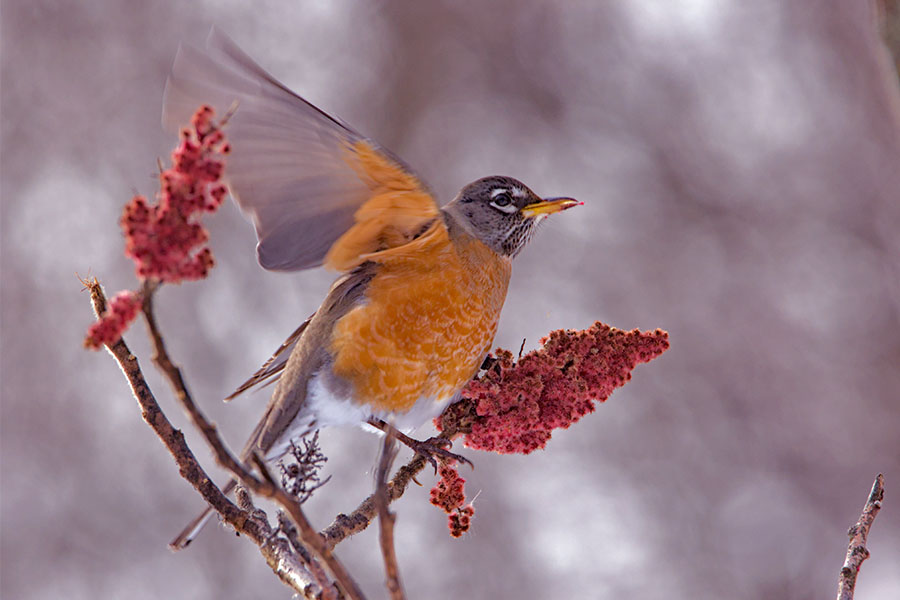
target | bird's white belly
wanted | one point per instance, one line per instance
(329, 405)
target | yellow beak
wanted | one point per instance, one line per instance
(548, 206)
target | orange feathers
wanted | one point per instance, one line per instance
(398, 211)
(427, 324)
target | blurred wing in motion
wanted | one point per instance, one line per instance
(272, 368)
(306, 180)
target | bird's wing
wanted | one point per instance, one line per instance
(306, 180)
(272, 368)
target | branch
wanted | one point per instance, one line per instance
(344, 526)
(888, 17)
(278, 556)
(856, 551)
(173, 374)
(267, 487)
(386, 519)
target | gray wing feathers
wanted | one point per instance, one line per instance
(287, 168)
(272, 368)
(288, 405)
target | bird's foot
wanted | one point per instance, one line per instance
(432, 449)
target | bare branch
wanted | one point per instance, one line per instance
(278, 556)
(267, 487)
(386, 519)
(179, 387)
(856, 551)
(344, 526)
(888, 16)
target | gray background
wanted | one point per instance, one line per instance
(739, 166)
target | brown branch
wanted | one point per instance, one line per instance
(386, 519)
(856, 551)
(888, 17)
(267, 487)
(290, 532)
(344, 526)
(179, 387)
(278, 556)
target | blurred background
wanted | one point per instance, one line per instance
(740, 167)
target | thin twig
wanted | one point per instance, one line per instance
(856, 551)
(268, 487)
(278, 556)
(888, 17)
(344, 526)
(386, 519)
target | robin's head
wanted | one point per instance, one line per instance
(502, 212)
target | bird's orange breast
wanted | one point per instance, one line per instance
(430, 315)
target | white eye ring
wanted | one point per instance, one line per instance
(502, 194)
(509, 208)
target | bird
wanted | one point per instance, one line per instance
(415, 307)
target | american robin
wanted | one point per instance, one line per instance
(415, 310)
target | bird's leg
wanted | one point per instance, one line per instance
(430, 449)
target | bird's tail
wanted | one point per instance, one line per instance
(187, 535)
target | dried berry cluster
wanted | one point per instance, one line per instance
(122, 310)
(166, 240)
(460, 520)
(449, 495)
(514, 406)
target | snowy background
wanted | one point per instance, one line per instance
(740, 170)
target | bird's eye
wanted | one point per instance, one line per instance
(504, 203)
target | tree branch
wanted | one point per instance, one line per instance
(344, 526)
(856, 551)
(888, 17)
(267, 487)
(386, 518)
(304, 575)
(278, 555)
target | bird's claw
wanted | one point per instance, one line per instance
(433, 449)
